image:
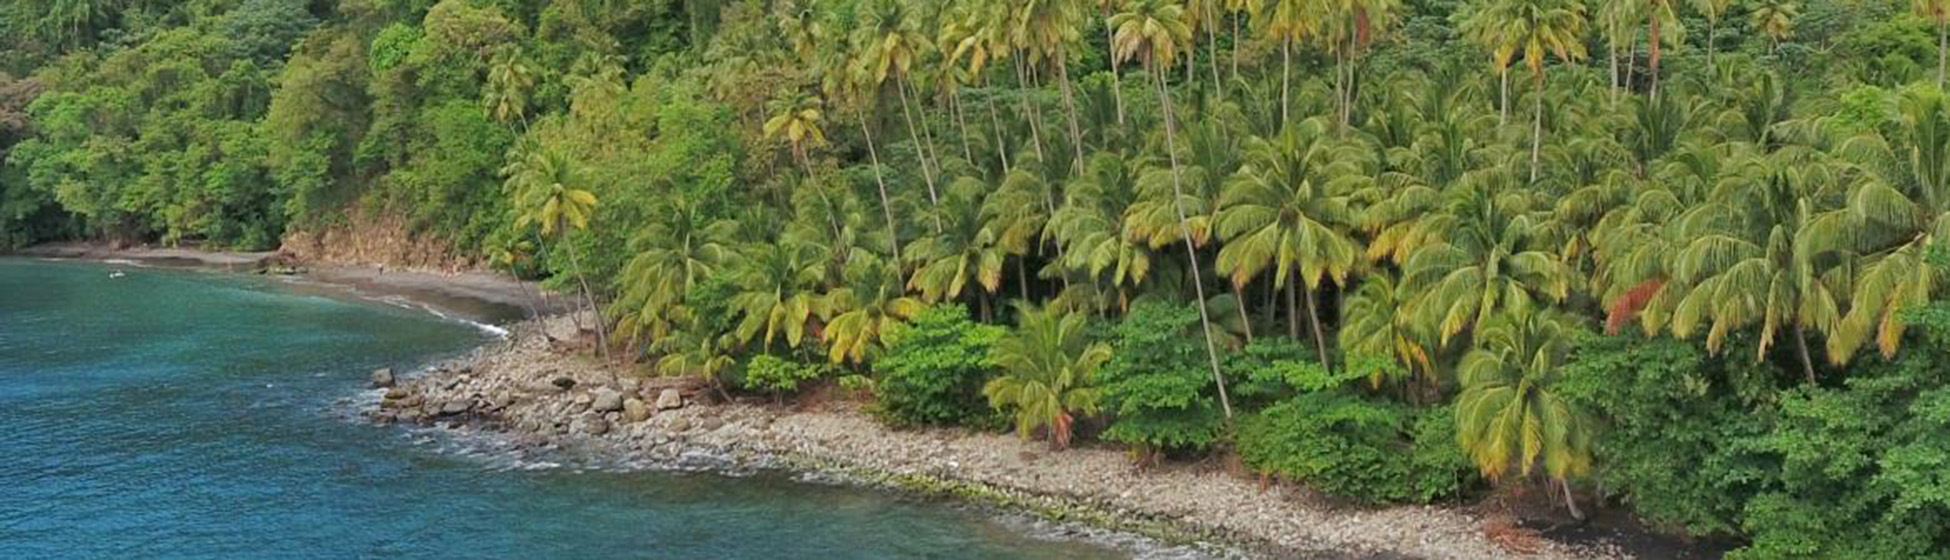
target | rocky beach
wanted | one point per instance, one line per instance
(544, 397)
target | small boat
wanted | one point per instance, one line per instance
(116, 274)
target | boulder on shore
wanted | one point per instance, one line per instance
(634, 410)
(607, 400)
(382, 378)
(670, 399)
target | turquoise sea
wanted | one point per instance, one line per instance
(168, 413)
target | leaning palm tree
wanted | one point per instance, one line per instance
(1287, 212)
(1152, 31)
(548, 193)
(1509, 414)
(776, 291)
(1047, 363)
(967, 253)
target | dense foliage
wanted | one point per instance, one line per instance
(1676, 248)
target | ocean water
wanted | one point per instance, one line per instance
(182, 414)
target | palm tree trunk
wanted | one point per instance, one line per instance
(589, 298)
(1286, 78)
(1503, 96)
(1712, 26)
(1212, 52)
(920, 152)
(1942, 47)
(886, 207)
(1245, 320)
(1184, 232)
(1801, 348)
(1022, 276)
(1070, 106)
(1537, 124)
(995, 125)
(1116, 81)
(1652, 39)
(1235, 45)
(1293, 310)
(1569, 500)
(961, 120)
(1320, 337)
(927, 132)
(1029, 110)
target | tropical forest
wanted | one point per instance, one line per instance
(1676, 258)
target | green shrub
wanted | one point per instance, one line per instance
(1341, 442)
(934, 370)
(780, 376)
(1158, 384)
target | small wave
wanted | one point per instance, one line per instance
(409, 303)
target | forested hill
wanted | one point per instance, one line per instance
(1677, 256)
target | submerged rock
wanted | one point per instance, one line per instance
(670, 399)
(382, 378)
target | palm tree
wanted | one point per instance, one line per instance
(966, 252)
(1712, 10)
(1376, 323)
(1151, 31)
(890, 45)
(1537, 28)
(1047, 363)
(509, 82)
(799, 120)
(548, 193)
(777, 291)
(680, 247)
(1288, 210)
(1775, 19)
(1658, 13)
(1492, 255)
(870, 304)
(1045, 29)
(1090, 225)
(1289, 22)
(1938, 12)
(1509, 413)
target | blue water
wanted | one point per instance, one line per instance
(181, 414)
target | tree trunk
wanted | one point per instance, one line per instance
(1570, 501)
(1022, 276)
(1116, 81)
(1537, 124)
(886, 207)
(1286, 78)
(1293, 310)
(1235, 45)
(1178, 207)
(1801, 348)
(1029, 111)
(1652, 39)
(995, 123)
(1320, 337)
(920, 151)
(961, 120)
(1712, 25)
(1212, 52)
(1070, 106)
(1503, 96)
(589, 298)
(1942, 47)
(1245, 320)
(927, 133)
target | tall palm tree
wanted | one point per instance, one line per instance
(891, 43)
(1047, 363)
(506, 92)
(1938, 12)
(1537, 28)
(1288, 211)
(1712, 10)
(680, 247)
(1090, 225)
(1151, 31)
(1045, 29)
(1510, 414)
(1775, 19)
(549, 194)
(1288, 22)
(1658, 14)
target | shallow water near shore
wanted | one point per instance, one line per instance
(173, 414)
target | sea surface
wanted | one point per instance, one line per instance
(165, 413)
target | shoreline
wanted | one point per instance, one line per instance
(544, 398)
